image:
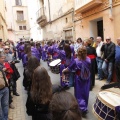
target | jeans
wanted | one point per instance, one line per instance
(4, 103)
(99, 66)
(107, 68)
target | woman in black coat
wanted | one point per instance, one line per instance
(40, 95)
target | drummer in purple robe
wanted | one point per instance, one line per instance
(43, 48)
(82, 78)
(66, 59)
(49, 52)
(21, 50)
(38, 47)
(55, 52)
(34, 50)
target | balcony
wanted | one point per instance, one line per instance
(41, 18)
(84, 5)
(21, 21)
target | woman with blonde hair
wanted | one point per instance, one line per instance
(40, 95)
(81, 65)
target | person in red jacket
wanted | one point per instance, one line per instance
(9, 72)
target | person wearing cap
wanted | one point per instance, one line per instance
(109, 57)
(117, 60)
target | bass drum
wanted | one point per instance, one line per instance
(104, 107)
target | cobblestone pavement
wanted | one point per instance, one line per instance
(19, 113)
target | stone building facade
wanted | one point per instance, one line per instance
(55, 18)
(3, 25)
(17, 19)
(97, 18)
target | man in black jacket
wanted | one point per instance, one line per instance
(109, 57)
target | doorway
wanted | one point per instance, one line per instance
(100, 29)
(96, 28)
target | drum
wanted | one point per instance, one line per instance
(65, 78)
(55, 66)
(104, 107)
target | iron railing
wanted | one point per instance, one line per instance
(40, 12)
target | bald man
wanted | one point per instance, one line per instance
(109, 58)
(117, 59)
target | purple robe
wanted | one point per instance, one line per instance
(44, 56)
(81, 87)
(65, 62)
(25, 60)
(35, 52)
(55, 52)
(21, 50)
(49, 53)
(18, 45)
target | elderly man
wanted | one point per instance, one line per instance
(117, 59)
(9, 58)
(99, 59)
(109, 57)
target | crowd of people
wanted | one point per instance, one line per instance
(79, 62)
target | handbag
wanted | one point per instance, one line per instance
(2, 81)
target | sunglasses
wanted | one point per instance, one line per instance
(107, 39)
(6, 48)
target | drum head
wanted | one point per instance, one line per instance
(110, 98)
(55, 62)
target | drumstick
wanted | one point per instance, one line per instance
(110, 86)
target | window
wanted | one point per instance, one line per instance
(20, 15)
(18, 2)
(22, 28)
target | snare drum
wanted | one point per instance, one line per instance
(105, 104)
(55, 66)
(65, 79)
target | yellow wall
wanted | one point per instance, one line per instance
(110, 27)
(3, 25)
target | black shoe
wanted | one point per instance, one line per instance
(101, 79)
(84, 114)
(16, 94)
(97, 79)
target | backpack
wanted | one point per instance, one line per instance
(84, 72)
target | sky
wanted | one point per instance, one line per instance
(33, 7)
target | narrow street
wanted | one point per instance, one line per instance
(19, 113)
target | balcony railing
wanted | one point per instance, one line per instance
(41, 18)
(40, 12)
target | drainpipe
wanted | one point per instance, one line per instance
(73, 16)
(49, 11)
(110, 11)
